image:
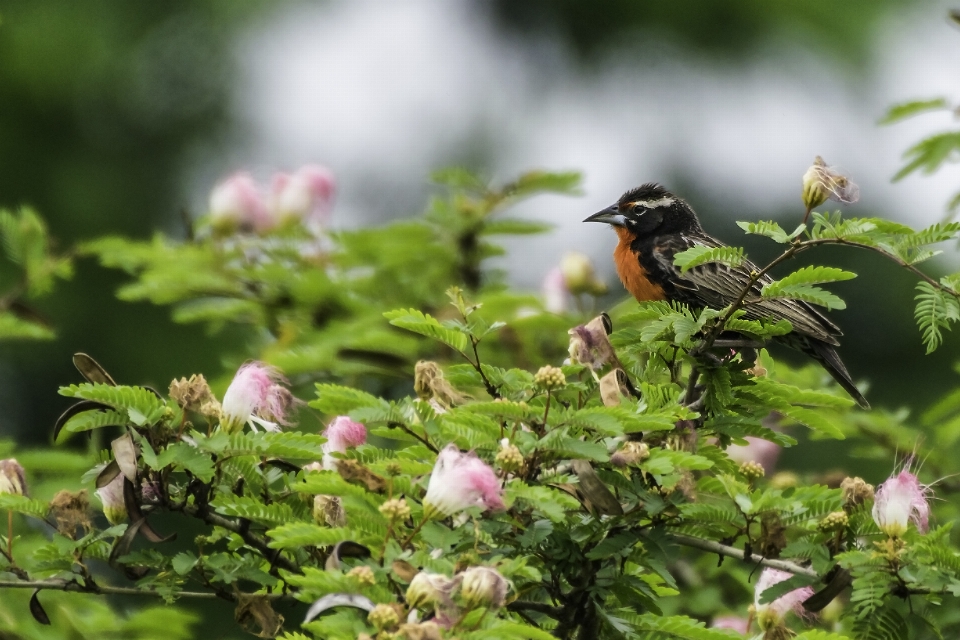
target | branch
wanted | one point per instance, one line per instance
(62, 585)
(539, 607)
(733, 552)
(241, 528)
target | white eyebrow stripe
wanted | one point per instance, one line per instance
(654, 204)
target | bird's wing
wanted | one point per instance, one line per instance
(716, 285)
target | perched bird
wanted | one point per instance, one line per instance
(654, 225)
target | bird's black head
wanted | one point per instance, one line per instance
(649, 210)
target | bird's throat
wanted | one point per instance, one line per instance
(632, 274)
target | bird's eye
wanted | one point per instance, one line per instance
(639, 209)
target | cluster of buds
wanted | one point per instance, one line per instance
(363, 575)
(460, 481)
(899, 501)
(13, 479)
(383, 617)
(630, 454)
(574, 276)
(342, 433)
(771, 616)
(751, 470)
(256, 396)
(509, 457)
(758, 450)
(821, 183)
(550, 378)
(303, 197)
(327, 510)
(395, 509)
(834, 521)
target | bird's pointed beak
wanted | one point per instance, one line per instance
(610, 215)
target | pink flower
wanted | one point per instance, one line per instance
(236, 203)
(738, 624)
(772, 614)
(756, 450)
(306, 195)
(342, 433)
(555, 294)
(256, 395)
(898, 501)
(459, 481)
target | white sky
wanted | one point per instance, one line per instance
(383, 93)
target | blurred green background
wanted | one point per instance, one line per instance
(117, 118)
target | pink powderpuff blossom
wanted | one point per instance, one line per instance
(304, 196)
(236, 203)
(757, 450)
(459, 481)
(898, 501)
(256, 395)
(555, 295)
(738, 624)
(772, 614)
(341, 434)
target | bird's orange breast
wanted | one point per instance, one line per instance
(633, 276)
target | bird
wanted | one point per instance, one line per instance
(653, 225)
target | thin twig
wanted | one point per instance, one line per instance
(733, 552)
(62, 585)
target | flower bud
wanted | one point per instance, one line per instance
(236, 203)
(550, 378)
(578, 274)
(195, 395)
(509, 457)
(834, 521)
(364, 576)
(395, 509)
(751, 470)
(757, 450)
(111, 497)
(856, 492)
(383, 617)
(821, 183)
(428, 630)
(484, 587)
(12, 478)
(429, 590)
(430, 385)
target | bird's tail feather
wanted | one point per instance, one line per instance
(827, 356)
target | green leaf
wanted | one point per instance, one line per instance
(95, 419)
(141, 405)
(23, 504)
(928, 154)
(302, 534)
(907, 109)
(771, 230)
(935, 311)
(14, 328)
(699, 255)
(186, 457)
(784, 587)
(253, 509)
(426, 325)
(506, 226)
(335, 400)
